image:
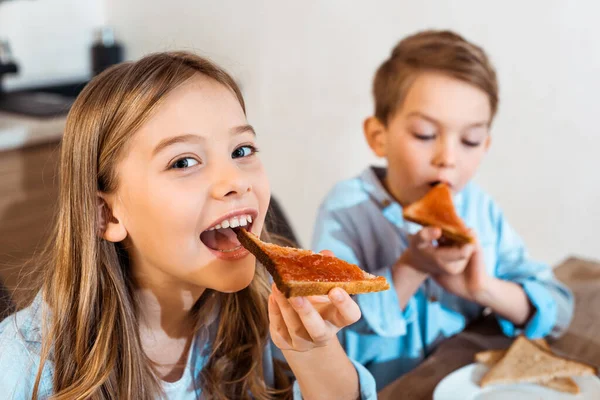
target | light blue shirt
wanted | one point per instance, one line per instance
(361, 223)
(20, 349)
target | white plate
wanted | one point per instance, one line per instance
(463, 384)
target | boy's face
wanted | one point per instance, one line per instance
(440, 134)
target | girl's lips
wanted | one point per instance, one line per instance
(231, 255)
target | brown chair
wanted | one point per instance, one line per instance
(277, 223)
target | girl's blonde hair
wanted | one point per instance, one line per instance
(92, 334)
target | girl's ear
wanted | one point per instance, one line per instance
(109, 227)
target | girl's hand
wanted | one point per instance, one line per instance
(304, 323)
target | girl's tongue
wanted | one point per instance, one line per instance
(223, 239)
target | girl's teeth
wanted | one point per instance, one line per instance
(234, 222)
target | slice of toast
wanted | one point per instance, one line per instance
(437, 209)
(299, 272)
(526, 362)
(491, 357)
(566, 385)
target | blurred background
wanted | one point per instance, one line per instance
(305, 69)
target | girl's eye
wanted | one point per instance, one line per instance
(244, 151)
(185, 162)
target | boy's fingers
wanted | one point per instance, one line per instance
(455, 267)
(449, 254)
(425, 236)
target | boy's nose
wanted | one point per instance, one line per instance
(445, 154)
(229, 181)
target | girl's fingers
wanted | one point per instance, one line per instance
(292, 320)
(278, 327)
(327, 253)
(346, 311)
(311, 320)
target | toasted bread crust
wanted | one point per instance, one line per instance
(370, 283)
(437, 209)
(322, 288)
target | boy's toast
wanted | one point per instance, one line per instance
(299, 272)
(491, 357)
(526, 362)
(437, 209)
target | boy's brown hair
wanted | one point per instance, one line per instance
(436, 51)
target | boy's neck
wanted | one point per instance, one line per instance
(382, 175)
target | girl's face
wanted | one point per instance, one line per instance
(189, 174)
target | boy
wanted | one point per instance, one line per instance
(435, 99)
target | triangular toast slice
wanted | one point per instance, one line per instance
(299, 272)
(491, 357)
(526, 362)
(437, 209)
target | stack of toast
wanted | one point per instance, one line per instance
(529, 361)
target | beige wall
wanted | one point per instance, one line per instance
(306, 69)
(50, 39)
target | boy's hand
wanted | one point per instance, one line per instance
(424, 256)
(304, 323)
(472, 283)
(458, 269)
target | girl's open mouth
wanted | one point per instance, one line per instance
(222, 237)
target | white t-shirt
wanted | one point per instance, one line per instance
(183, 389)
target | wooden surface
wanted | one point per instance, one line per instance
(27, 195)
(581, 342)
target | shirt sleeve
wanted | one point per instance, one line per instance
(19, 367)
(552, 300)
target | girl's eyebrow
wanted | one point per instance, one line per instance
(242, 129)
(189, 137)
(176, 139)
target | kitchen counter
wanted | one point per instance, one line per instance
(18, 131)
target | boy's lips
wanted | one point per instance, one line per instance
(437, 182)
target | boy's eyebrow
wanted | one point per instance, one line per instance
(242, 129)
(435, 121)
(176, 139)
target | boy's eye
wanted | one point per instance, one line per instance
(471, 143)
(424, 137)
(185, 162)
(243, 151)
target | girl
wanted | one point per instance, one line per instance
(146, 291)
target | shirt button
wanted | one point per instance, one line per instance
(433, 299)
(386, 202)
